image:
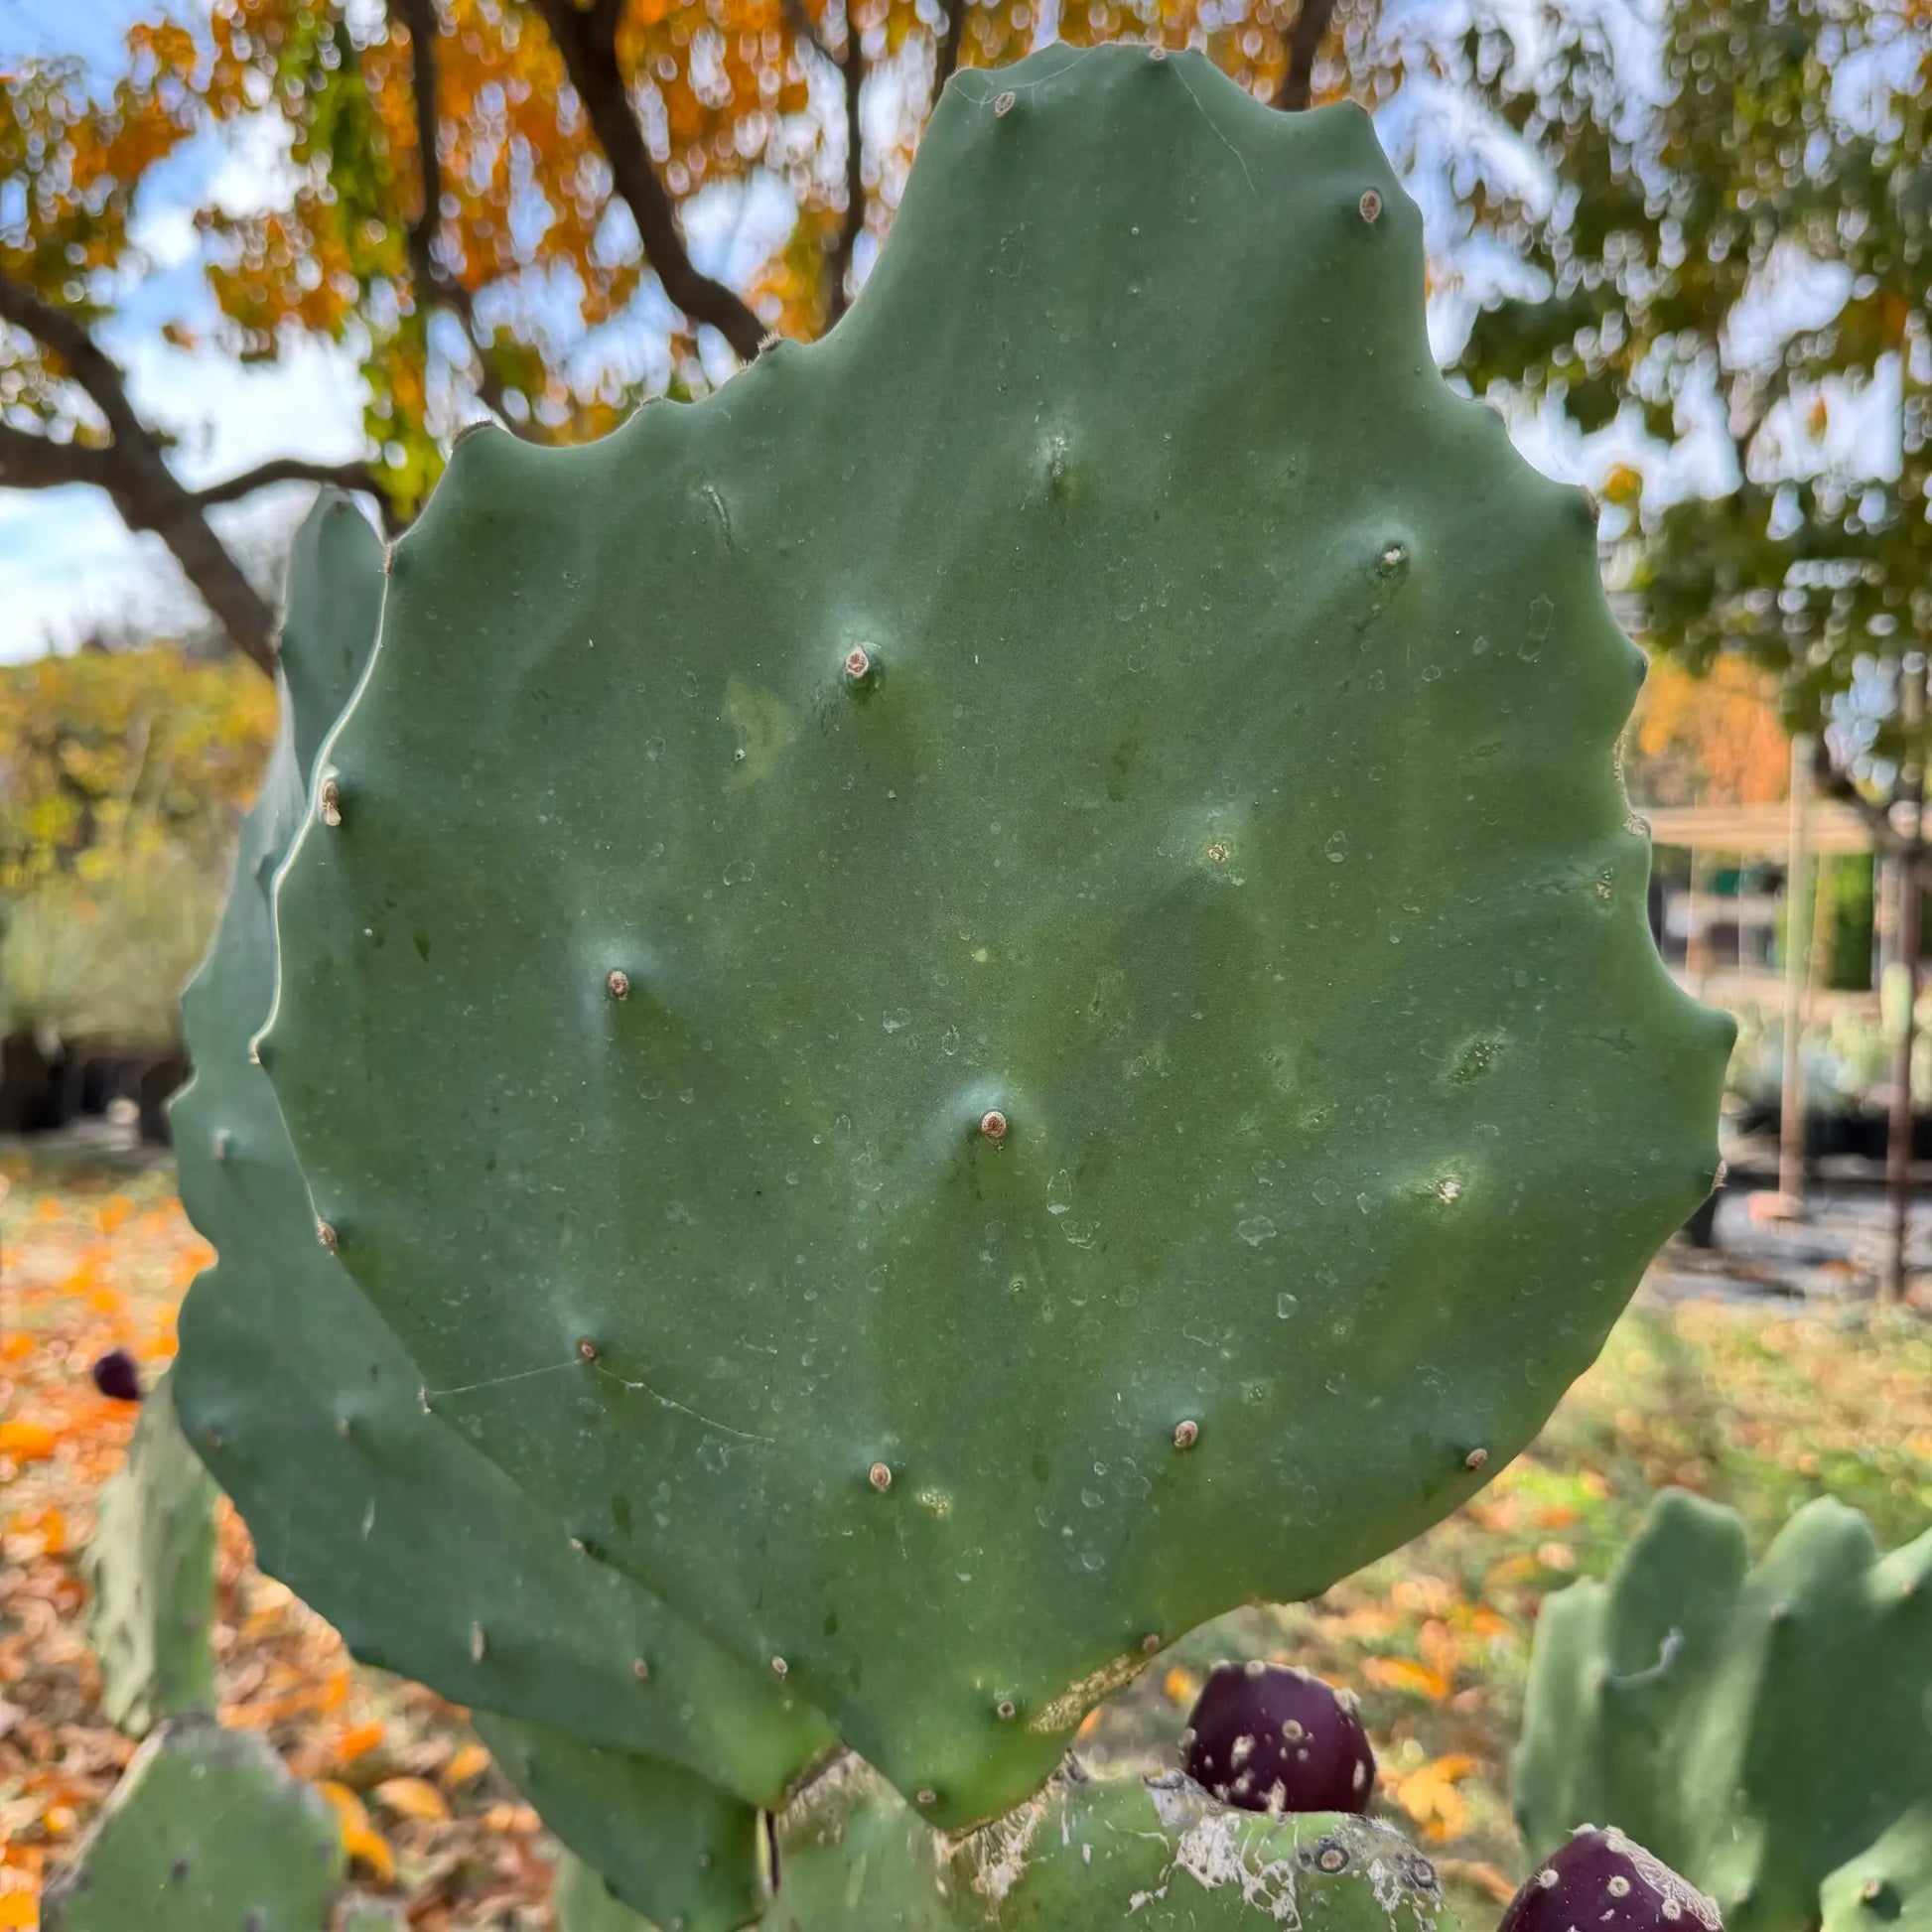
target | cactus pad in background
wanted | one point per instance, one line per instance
(1091, 1853)
(150, 1566)
(991, 993)
(331, 606)
(206, 1833)
(1757, 1728)
(1269, 1738)
(419, 1550)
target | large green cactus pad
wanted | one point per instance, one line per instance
(665, 1842)
(150, 1568)
(206, 1833)
(1221, 802)
(1755, 1728)
(1115, 1854)
(415, 1546)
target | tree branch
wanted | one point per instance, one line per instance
(134, 472)
(1304, 39)
(83, 359)
(851, 70)
(419, 20)
(801, 25)
(586, 38)
(39, 463)
(945, 57)
(287, 469)
(1837, 785)
(432, 283)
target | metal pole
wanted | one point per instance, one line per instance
(1797, 946)
(1899, 1149)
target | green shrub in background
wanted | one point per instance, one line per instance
(104, 958)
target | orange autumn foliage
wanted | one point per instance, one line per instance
(529, 231)
(1714, 740)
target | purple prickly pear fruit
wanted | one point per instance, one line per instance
(1268, 1738)
(115, 1375)
(1604, 1880)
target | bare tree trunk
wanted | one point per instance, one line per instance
(1899, 1149)
(945, 55)
(1797, 935)
(1304, 39)
(587, 38)
(851, 77)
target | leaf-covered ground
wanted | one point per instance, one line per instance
(1760, 1409)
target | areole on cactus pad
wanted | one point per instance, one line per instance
(1132, 1099)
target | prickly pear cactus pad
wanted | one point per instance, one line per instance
(206, 1833)
(1755, 1728)
(666, 1844)
(991, 993)
(332, 607)
(415, 1546)
(1091, 1854)
(150, 1569)
(585, 1903)
(1886, 1889)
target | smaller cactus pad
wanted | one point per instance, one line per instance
(1757, 1728)
(667, 1843)
(418, 1549)
(1610, 1884)
(206, 1833)
(1091, 1853)
(150, 1566)
(1268, 1738)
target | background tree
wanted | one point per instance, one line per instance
(1731, 233)
(487, 207)
(1731, 240)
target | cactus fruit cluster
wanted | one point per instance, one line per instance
(149, 1571)
(1763, 1729)
(206, 1833)
(931, 1019)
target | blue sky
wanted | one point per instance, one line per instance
(67, 567)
